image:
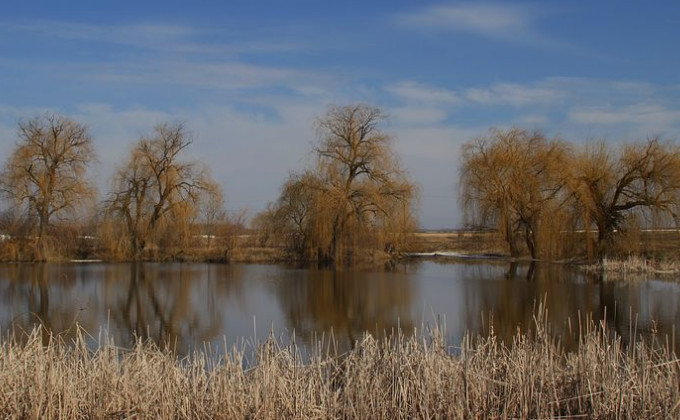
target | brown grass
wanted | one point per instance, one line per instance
(395, 378)
(635, 268)
(465, 242)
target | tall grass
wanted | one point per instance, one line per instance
(635, 268)
(394, 378)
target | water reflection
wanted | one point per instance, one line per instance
(345, 303)
(186, 305)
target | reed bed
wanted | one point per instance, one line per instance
(393, 378)
(635, 268)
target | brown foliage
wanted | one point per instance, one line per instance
(610, 184)
(156, 195)
(542, 190)
(356, 198)
(45, 174)
(516, 180)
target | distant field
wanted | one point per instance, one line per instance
(651, 242)
(467, 242)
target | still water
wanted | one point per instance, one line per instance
(189, 305)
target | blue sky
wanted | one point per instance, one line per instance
(249, 78)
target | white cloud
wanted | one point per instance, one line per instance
(224, 75)
(418, 92)
(406, 116)
(646, 115)
(534, 119)
(155, 37)
(171, 55)
(513, 94)
(494, 20)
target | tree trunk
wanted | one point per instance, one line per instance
(531, 242)
(42, 227)
(605, 231)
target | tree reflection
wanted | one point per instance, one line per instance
(346, 303)
(185, 305)
(572, 299)
(39, 303)
(34, 294)
(173, 306)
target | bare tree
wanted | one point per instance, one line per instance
(155, 188)
(46, 172)
(515, 179)
(611, 184)
(357, 194)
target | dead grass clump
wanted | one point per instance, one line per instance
(397, 378)
(634, 267)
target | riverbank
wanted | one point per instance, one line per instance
(534, 377)
(656, 252)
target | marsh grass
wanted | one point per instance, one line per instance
(395, 378)
(635, 268)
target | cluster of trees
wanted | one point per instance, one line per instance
(542, 191)
(356, 199)
(155, 195)
(543, 195)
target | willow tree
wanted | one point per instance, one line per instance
(155, 193)
(357, 198)
(612, 184)
(516, 180)
(46, 172)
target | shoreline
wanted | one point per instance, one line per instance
(482, 246)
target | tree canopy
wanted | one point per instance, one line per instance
(155, 188)
(46, 172)
(357, 198)
(542, 189)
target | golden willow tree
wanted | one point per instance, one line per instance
(611, 185)
(541, 190)
(357, 200)
(516, 180)
(156, 195)
(45, 176)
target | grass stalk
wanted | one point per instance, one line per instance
(398, 377)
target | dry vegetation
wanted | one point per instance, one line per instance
(464, 242)
(355, 204)
(544, 197)
(537, 190)
(401, 377)
(45, 175)
(635, 268)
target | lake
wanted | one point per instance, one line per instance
(191, 305)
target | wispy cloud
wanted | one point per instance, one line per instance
(156, 37)
(414, 115)
(226, 75)
(174, 55)
(513, 94)
(568, 106)
(418, 92)
(423, 104)
(511, 22)
(648, 115)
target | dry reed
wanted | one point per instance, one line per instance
(396, 378)
(635, 268)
